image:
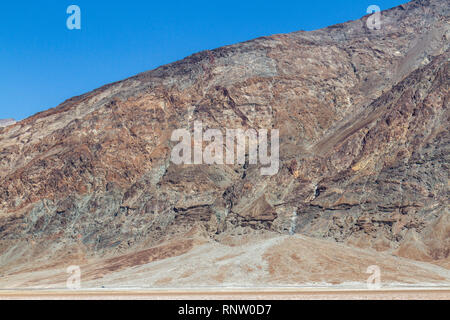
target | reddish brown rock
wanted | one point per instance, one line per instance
(364, 149)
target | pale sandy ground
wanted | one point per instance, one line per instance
(276, 267)
(310, 294)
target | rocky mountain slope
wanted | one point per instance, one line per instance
(364, 155)
(6, 122)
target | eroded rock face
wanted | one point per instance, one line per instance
(6, 122)
(364, 148)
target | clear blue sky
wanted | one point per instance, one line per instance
(42, 63)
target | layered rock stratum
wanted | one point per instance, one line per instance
(6, 122)
(363, 180)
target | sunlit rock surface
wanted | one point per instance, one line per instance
(363, 180)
